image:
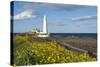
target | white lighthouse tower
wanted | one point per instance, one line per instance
(45, 25)
(44, 32)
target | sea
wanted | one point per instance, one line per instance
(80, 35)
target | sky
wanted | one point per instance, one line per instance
(61, 18)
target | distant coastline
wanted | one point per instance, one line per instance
(81, 35)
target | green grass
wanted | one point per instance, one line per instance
(31, 51)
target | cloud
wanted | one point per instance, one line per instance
(43, 8)
(84, 18)
(24, 15)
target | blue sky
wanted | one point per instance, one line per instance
(62, 18)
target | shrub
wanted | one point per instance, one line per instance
(40, 51)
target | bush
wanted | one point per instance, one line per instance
(40, 51)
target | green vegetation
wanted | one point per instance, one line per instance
(31, 51)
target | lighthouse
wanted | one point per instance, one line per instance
(44, 32)
(45, 25)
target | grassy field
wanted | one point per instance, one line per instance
(32, 51)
